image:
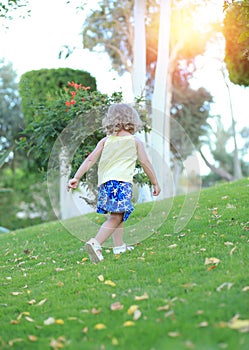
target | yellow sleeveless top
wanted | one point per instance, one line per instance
(118, 159)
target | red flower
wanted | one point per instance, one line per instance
(73, 102)
(73, 93)
(68, 103)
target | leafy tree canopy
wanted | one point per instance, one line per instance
(111, 28)
(236, 34)
(8, 7)
(37, 85)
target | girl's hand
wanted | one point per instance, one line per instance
(73, 183)
(157, 190)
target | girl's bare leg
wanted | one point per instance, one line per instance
(108, 227)
(117, 235)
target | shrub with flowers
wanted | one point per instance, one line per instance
(68, 104)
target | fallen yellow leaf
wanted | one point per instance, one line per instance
(110, 283)
(100, 326)
(203, 324)
(85, 330)
(245, 289)
(239, 324)
(115, 341)
(172, 246)
(13, 341)
(41, 302)
(14, 322)
(32, 337)
(212, 261)
(142, 297)
(29, 319)
(32, 302)
(24, 313)
(16, 293)
(163, 308)
(128, 324)
(132, 309)
(174, 334)
(59, 321)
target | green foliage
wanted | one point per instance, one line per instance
(24, 200)
(237, 42)
(189, 305)
(39, 85)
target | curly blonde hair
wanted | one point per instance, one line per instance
(121, 116)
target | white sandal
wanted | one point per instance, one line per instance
(122, 249)
(93, 248)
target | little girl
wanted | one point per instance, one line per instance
(119, 151)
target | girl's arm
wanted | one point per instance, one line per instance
(87, 164)
(147, 166)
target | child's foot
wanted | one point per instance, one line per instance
(93, 248)
(122, 249)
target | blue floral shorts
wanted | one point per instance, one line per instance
(115, 197)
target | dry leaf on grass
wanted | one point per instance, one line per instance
(163, 308)
(115, 341)
(32, 337)
(174, 334)
(223, 285)
(172, 246)
(16, 293)
(59, 321)
(24, 313)
(42, 302)
(142, 297)
(203, 324)
(232, 251)
(211, 261)
(13, 341)
(245, 289)
(240, 325)
(132, 309)
(29, 319)
(128, 324)
(100, 326)
(137, 314)
(116, 306)
(101, 278)
(95, 311)
(110, 283)
(49, 321)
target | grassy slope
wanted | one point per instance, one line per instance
(44, 263)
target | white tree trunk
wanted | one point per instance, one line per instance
(161, 104)
(139, 49)
(139, 72)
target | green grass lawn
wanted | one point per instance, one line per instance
(185, 290)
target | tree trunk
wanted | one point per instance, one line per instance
(139, 49)
(219, 171)
(161, 104)
(237, 172)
